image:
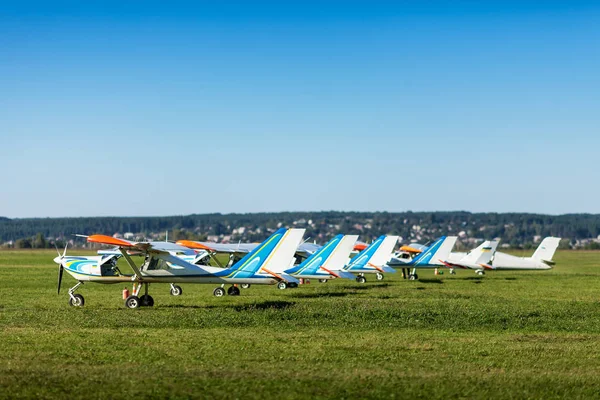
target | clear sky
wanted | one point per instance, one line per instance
(164, 108)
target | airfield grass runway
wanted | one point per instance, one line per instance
(506, 335)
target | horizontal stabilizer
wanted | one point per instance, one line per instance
(288, 278)
(345, 275)
(386, 269)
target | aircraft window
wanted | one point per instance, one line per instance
(156, 264)
(405, 255)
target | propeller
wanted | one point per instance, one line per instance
(59, 259)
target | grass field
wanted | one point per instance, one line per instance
(506, 335)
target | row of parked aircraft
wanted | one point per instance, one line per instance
(280, 260)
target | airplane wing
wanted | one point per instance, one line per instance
(241, 249)
(122, 244)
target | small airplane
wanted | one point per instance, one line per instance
(328, 262)
(431, 257)
(478, 259)
(237, 251)
(263, 265)
(373, 259)
(540, 260)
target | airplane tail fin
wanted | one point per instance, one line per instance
(384, 252)
(482, 254)
(339, 256)
(316, 260)
(437, 252)
(273, 254)
(546, 249)
(364, 257)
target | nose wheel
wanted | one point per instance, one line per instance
(76, 300)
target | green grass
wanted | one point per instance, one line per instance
(506, 335)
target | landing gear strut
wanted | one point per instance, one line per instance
(176, 290)
(413, 275)
(134, 301)
(146, 300)
(219, 292)
(76, 300)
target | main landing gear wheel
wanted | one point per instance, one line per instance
(480, 273)
(282, 285)
(176, 290)
(452, 272)
(292, 285)
(219, 292)
(379, 276)
(245, 285)
(133, 302)
(233, 291)
(76, 301)
(323, 280)
(413, 277)
(146, 301)
(361, 279)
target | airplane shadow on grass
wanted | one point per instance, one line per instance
(474, 279)
(320, 295)
(345, 291)
(264, 305)
(437, 281)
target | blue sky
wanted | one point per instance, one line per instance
(149, 108)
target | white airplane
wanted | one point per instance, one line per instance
(540, 260)
(478, 259)
(264, 265)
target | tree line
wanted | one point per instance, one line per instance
(516, 229)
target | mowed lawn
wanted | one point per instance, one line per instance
(505, 335)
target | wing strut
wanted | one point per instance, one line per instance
(136, 270)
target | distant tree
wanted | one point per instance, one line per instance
(39, 242)
(23, 244)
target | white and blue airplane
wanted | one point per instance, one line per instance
(263, 265)
(328, 262)
(433, 256)
(373, 259)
